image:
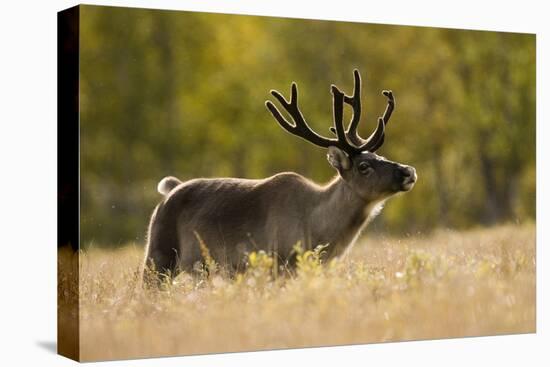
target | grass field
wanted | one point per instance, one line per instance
(447, 284)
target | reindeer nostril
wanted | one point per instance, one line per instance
(398, 174)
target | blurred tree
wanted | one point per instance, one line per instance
(180, 93)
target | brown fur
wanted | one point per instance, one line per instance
(235, 216)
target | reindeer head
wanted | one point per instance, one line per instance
(371, 176)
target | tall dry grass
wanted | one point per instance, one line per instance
(448, 284)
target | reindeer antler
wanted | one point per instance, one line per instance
(376, 139)
(386, 117)
(300, 127)
(347, 140)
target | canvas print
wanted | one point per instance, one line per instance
(240, 183)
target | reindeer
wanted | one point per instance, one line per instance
(233, 216)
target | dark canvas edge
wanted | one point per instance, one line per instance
(68, 211)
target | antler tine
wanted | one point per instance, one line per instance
(355, 102)
(376, 139)
(300, 127)
(386, 118)
(291, 108)
(338, 110)
(390, 107)
(338, 115)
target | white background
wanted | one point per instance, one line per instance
(28, 181)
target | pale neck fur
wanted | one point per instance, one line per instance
(339, 215)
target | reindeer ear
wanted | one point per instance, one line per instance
(338, 159)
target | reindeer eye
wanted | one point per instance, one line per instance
(364, 168)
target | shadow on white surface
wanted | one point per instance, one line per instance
(48, 345)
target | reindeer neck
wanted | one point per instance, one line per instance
(338, 216)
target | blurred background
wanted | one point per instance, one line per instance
(182, 94)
